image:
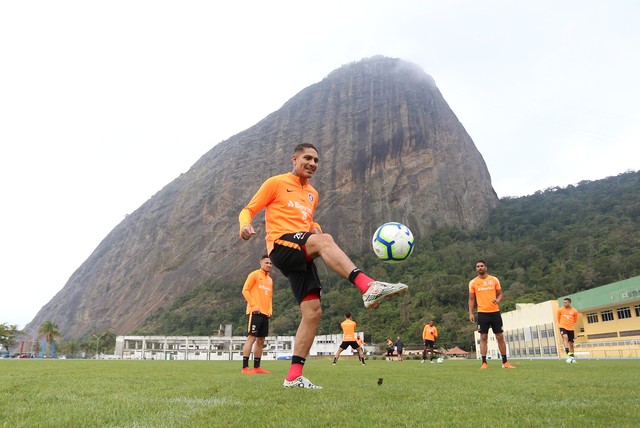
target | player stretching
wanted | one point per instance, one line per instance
(294, 240)
(349, 338)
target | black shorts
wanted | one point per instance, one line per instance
(258, 325)
(389, 350)
(296, 265)
(488, 320)
(429, 343)
(354, 345)
(570, 334)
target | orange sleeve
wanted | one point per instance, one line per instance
(259, 201)
(246, 292)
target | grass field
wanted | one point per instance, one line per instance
(83, 393)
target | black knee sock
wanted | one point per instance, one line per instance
(353, 274)
(256, 363)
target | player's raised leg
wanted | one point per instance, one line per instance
(373, 292)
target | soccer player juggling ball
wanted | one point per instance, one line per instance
(294, 240)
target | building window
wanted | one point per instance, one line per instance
(543, 333)
(550, 333)
(592, 318)
(607, 315)
(624, 312)
(637, 309)
(534, 334)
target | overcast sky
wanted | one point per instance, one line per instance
(104, 103)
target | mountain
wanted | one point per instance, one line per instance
(391, 149)
(548, 245)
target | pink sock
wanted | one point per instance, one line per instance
(362, 281)
(295, 371)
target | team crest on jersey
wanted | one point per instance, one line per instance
(311, 198)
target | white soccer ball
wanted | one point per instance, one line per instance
(393, 242)
(440, 360)
(570, 360)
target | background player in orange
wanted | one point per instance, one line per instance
(390, 348)
(361, 344)
(349, 338)
(429, 335)
(567, 317)
(258, 292)
(294, 241)
(486, 290)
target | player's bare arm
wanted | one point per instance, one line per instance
(498, 297)
(472, 303)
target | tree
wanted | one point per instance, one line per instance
(7, 335)
(50, 332)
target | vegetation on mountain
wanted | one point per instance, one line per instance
(544, 246)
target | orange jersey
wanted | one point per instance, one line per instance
(567, 318)
(258, 291)
(349, 329)
(289, 207)
(429, 333)
(485, 291)
(361, 342)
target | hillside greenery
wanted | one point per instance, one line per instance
(544, 246)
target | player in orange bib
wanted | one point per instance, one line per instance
(567, 318)
(429, 335)
(258, 292)
(486, 291)
(349, 338)
(294, 240)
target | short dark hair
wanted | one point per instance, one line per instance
(300, 147)
(566, 298)
(264, 256)
(480, 261)
(347, 315)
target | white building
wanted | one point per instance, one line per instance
(215, 347)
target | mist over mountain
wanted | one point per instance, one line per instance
(391, 149)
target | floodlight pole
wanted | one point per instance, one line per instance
(97, 344)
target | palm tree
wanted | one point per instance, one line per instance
(50, 332)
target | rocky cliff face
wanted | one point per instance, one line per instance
(391, 149)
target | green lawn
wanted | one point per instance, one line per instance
(82, 393)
